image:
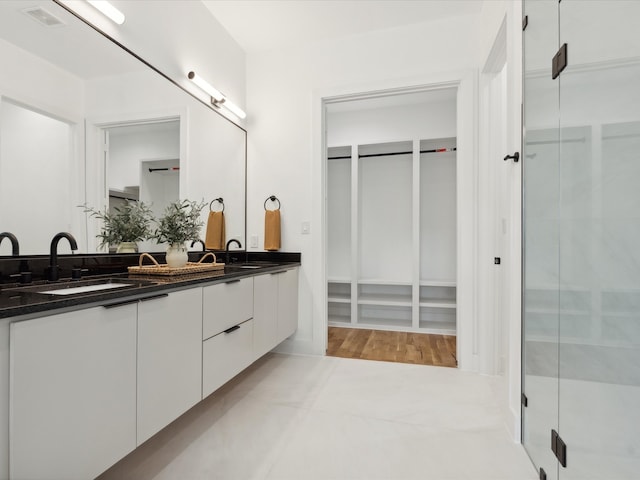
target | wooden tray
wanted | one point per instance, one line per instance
(164, 269)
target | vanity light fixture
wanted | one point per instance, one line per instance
(108, 10)
(218, 100)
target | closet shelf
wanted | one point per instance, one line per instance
(334, 298)
(339, 280)
(377, 281)
(437, 283)
(339, 319)
(437, 303)
(381, 299)
(376, 323)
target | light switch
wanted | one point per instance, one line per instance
(306, 228)
(254, 241)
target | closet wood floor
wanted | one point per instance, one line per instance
(401, 347)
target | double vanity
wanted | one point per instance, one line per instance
(91, 369)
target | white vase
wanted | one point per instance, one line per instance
(127, 247)
(177, 255)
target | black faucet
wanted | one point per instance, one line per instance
(53, 258)
(226, 248)
(15, 247)
(201, 242)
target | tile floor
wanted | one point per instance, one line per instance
(298, 417)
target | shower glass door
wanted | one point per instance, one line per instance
(541, 164)
(599, 335)
(581, 290)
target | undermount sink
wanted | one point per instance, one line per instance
(84, 289)
(248, 266)
(79, 287)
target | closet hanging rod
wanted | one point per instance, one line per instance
(172, 169)
(434, 150)
(368, 155)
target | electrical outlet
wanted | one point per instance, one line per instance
(254, 241)
(306, 228)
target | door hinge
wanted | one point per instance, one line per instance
(559, 62)
(559, 448)
(543, 474)
(525, 22)
(524, 400)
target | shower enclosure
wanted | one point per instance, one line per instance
(581, 238)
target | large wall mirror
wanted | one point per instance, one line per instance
(82, 121)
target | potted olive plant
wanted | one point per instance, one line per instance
(179, 223)
(124, 225)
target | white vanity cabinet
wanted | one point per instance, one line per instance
(80, 390)
(72, 393)
(169, 359)
(265, 314)
(275, 309)
(227, 332)
(287, 303)
(225, 355)
(225, 305)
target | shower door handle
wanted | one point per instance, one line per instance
(515, 157)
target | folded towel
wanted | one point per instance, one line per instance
(215, 236)
(272, 230)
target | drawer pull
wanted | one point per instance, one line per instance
(232, 329)
(121, 304)
(233, 281)
(155, 297)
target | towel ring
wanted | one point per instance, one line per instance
(220, 200)
(273, 198)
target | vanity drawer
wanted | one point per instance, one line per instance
(225, 305)
(226, 355)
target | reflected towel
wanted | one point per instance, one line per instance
(215, 236)
(272, 230)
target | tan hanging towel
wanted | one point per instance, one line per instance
(215, 236)
(272, 230)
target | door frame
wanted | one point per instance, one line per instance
(466, 113)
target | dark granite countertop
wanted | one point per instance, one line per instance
(25, 300)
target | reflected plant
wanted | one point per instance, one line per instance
(130, 222)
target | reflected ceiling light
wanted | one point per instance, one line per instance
(108, 10)
(218, 100)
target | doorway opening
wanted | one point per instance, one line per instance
(391, 190)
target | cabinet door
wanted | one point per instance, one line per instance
(287, 303)
(73, 393)
(169, 359)
(226, 355)
(225, 305)
(265, 314)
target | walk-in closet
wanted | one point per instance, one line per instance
(391, 212)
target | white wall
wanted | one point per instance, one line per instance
(388, 124)
(284, 88)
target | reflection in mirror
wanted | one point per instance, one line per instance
(36, 158)
(122, 119)
(143, 164)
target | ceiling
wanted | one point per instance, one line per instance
(260, 25)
